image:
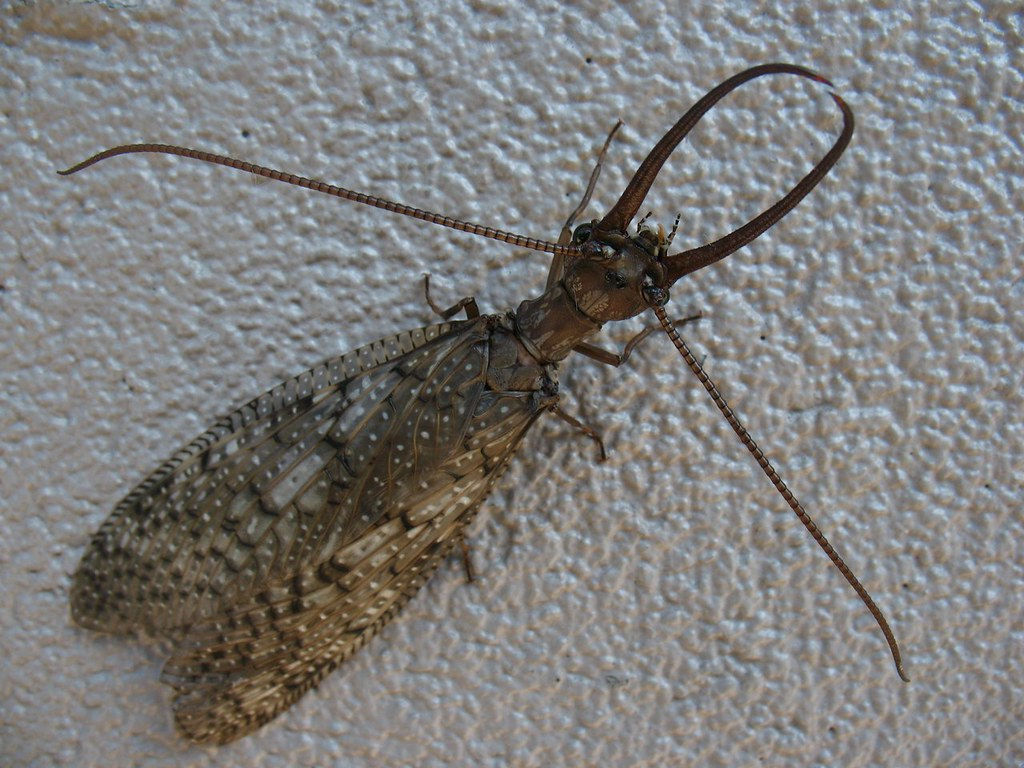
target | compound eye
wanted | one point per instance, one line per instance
(654, 296)
(615, 279)
(582, 233)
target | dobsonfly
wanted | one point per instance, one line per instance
(279, 541)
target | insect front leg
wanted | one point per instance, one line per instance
(555, 273)
(587, 430)
(595, 352)
(467, 303)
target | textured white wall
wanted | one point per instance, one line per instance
(661, 609)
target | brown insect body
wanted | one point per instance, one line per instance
(278, 542)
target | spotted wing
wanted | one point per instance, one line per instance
(238, 669)
(283, 481)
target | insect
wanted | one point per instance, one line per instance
(279, 541)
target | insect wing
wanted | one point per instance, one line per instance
(238, 670)
(283, 481)
(281, 540)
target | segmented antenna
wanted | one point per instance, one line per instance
(781, 487)
(329, 189)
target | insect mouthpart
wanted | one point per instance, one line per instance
(652, 232)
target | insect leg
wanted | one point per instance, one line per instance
(595, 352)
(555, 273)
(467, 303)
(590, 432)
(566, 234)
(467, 563)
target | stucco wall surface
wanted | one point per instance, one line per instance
(664, 608)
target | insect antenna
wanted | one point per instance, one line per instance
(781, 487)
(329, 189)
